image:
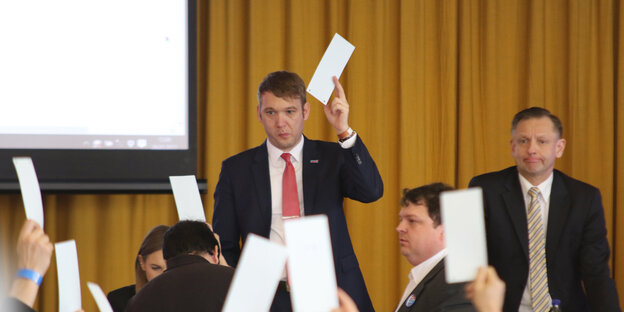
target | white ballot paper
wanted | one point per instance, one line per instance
(310, 264)
(333, 62)
(68, 276)
(257, 274)
(188, 201)
(464, 231)
(31, 194)
(100, 298)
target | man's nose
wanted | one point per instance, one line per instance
(399, 227)
(279, 119)
(532, 146)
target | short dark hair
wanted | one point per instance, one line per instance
(189, 237)
(537, 112)
(283, 84)
(428, 195)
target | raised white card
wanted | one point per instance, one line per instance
(100, 298)
(464, 232)
(310, 264)
(68, 276)
(257, 274)
(187, 199)
(332, 64)
(31, 194)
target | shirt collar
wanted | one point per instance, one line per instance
(275, 153)
(544, 187)
(418, 273)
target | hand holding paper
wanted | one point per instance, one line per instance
(337, 112)
(34, 249)
(332, 64)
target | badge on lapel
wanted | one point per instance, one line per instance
(410, 300)
(314, 161)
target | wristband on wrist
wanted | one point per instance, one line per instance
(30, 275)
(349, 133)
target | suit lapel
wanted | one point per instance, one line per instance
(558, 210)
(421, 286)
(262, 181)
(514, 203)
(310, 167)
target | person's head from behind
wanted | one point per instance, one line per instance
(149, 261)
(191, 238)
(421, 233)
(283, 108)
(536, 142)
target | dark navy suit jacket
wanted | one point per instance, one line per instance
(330, 173)
(576, 245)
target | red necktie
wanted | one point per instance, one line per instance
(290, 197)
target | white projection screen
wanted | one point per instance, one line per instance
(100, 93)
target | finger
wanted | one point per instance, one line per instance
(27, 228)
(339, 90)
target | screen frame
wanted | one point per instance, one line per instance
(115, 171)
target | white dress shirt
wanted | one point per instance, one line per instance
(544, 199)
(419, 272)
(276, 172)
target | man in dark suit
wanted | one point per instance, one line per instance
(421, 237)
(540, 221)
(290, 176)
(194, 279)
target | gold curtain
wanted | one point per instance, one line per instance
(433, 86)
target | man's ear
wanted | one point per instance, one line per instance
(560, 147)
(306, 110)
(215, 255)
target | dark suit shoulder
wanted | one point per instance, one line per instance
(245, 156)
(120, 297)
(493, 178)
(573, 184)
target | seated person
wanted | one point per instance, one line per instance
(486, 292)
(149, 263)
(194, 280)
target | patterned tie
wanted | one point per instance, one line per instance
(538, 279)
(290, 197)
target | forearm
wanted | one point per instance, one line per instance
(25, 291)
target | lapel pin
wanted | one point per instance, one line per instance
(410, 301)
(314, 161)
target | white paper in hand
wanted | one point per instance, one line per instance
(68, 276)
(310, 264)
(257, 274)
(100, 298)
(332, 64)
(464, 232)
(31, 194)
(188, 201)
